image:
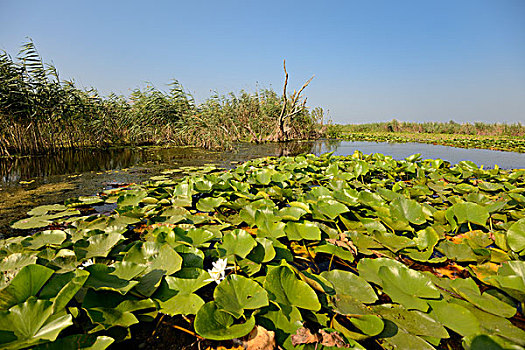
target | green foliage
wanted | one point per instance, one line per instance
(498, 139)
(39, 113)
(405, 254)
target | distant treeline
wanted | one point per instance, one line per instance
(40, 112)
(451, 127)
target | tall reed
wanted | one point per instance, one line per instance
(39, 112)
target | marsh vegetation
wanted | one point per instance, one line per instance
(361, 251)
(40, 112)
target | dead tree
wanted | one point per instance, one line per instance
(288, 112)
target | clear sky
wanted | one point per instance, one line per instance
(373, 60)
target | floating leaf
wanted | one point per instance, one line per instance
(25, 284)
(413, 321)
(238, 242)
(370, 325)
(209, 203)
(297, 231)
(469, 290)
(286, 289)
(407, 286)
(32, 222)
(347, 283)
(215, 324)
(408, 209)
(330, 208)
(32, 323)
(237, 293)
(516, 236)
(470, 212)
(81, 341)
(40, 239)
(455, 317)
(44, 209)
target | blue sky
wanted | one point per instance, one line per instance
(373, 60)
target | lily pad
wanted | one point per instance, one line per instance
(516, 236)
(347, 283)
(238, 242)
(215, 324)
(237, 293)
(286, 289)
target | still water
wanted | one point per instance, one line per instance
(32, 181)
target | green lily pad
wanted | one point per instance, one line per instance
(210, 203)
(413, 321)
(407, 287)
(347, 283)
(24, 285)
(237, 242)
(297, 231)
(370, 325)
(408, 209)
(61, 288)
(44, 209)
(237, 293)
(81, 341)
(511, 278)
(330, 208)
(32, 322)
(516, 236)
(119, 316)
(215, 324)
(369, 268)
(332, 249)
(469, 290)
(455, 317)
(101, 277)
(287, 319)
(470, 212)
(286, 289)
(32, 222)
(43, 238)
(291, 213)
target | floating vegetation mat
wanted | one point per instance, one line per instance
(502, 143)
(298, 252)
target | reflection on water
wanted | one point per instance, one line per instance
(32, 181)
(82, 161)
(485, 157)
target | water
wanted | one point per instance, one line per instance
(485, 157)
(31, 181)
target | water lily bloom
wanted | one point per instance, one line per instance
(86, 264)
(218, 272)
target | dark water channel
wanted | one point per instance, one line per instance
(31, 181)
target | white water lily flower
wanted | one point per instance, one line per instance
(86, 264)
(218, 272)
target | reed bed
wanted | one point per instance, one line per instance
(451, 127)
(40, 112)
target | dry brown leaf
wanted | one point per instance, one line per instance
(332, 339)
(304, 336)
(259, 339)
(343, 242)
(251, 230)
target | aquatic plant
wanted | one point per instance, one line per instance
(499, 143)
(359, 251)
